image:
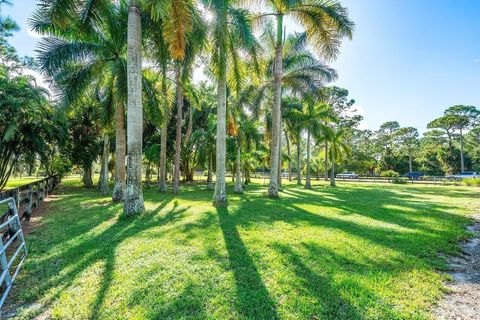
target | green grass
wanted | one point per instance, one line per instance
(358, 251)
(17, 182)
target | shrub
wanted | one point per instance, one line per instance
(389, 173)
(399, 180)
(450, 182)
(471, 182)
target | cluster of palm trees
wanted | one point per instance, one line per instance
(97, 47)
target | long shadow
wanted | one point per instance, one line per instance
(58, 270)
(330, 304)
(101, 247)
(377, 207)
(254, 301)
(107, 277)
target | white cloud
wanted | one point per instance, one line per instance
(477, 60)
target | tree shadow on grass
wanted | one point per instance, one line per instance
(57, 272)
(407, 211)
(310, 283)
(254, 301)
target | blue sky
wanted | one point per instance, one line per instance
(408, 60)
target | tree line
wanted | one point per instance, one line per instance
(266, 105)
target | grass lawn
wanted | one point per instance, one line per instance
(16, 182)
(358, 251)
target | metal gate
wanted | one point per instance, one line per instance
(10, 259)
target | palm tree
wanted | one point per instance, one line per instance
(178, 132)
(87, 60)
(133, 191)
(326, 22)
(106, 122)
(314, 118)
(338, 149)
(159, 52)
(183, 71)
(302, 74)
(103, 180)
(293, 128)
(29, 126)
(231, 35)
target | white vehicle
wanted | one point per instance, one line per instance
(464, 175)
(347, 175)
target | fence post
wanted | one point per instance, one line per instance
(37, 193)
(3, 261)
(412, 179)
(45, 187)
(16, 196)
(434, 180)
(40, 191)
(30, 202)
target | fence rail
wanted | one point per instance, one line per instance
(16, 205)
(434, 180)
(28, 197)
(423, 180)
(12, 249)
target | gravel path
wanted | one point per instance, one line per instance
(463, 301)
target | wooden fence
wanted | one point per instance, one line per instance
(13, 250)
(28, 197)
(16, 205)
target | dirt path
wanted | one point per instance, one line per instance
(463, 302)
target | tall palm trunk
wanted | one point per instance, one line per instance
(308, 184)
(120, 150)
(276, 112)
(188, 133)
(462, 163)
(178, 137)
(220, 194)
(325, 163)
(162, 181)
(133, 192)
(332, 179)
(238, 172)
(103, 182)
(299, 161)
(280, 156)
(289, 157)
(209, 174)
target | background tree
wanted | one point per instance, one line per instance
(462, 118)
(408, 138)
(325, 22)
(446, 123)
(85, 131)
(231, 36)
(315, 117)
(29, 126)
(344, 111)
(338, 150)
(87, 61)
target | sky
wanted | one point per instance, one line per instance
(408, 60)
